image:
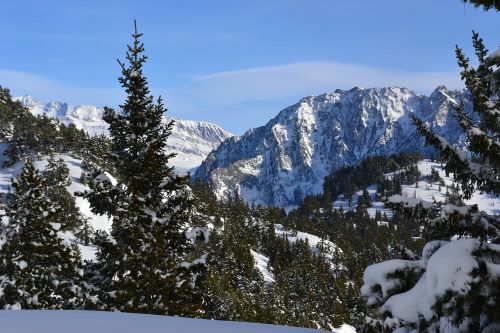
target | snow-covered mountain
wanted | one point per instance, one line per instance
(288, 158)
(191, 140)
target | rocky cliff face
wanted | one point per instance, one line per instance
(288, 158)
(191, 140)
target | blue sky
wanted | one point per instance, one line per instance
(235, 63)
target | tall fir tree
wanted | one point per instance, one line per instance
(39, 270)
(456, 280)
(144, 265)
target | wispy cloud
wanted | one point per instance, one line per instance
(242, 98)
(314, 78)
(254, 95)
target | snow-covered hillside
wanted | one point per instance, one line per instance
(98, 222)
(288, 158)
(425, 190)
(343, 203)
(261, 262)
(26, 321)
(191, 140)
(316, 243)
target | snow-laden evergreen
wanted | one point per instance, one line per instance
(144, 264)
(454, 285)
(38, 269)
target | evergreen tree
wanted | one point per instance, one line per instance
(57, 179)
(435, 177)
(463, 251)
(27, 134)
(144, 265)
(39, 271)
(367, 200)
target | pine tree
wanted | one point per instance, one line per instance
(144, 265)
(39, 270)
(367, 200)
(463, 252)
(57, 179)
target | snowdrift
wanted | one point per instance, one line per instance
(44, 321)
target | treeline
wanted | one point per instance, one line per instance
(308, 287)
(174, 248)
(371, 170)
(29, 134)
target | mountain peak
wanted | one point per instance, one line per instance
(191, 140)
(286, 159)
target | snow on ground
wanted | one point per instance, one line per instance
(43, 321)
(376, 205)
(448, 267)
(87, 252)
(429, 191)
(423, 190)
(98, 222)
(261, 264)
(316, 243)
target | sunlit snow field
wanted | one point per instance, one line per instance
(44, 321)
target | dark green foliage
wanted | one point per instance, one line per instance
(57, 180)
(482, 172)
(235, 289)
(38, 270)
(348, 180)
(410, 174)
(480, 302)
(436, 178)
(29, 134)
(474, 308)
(365, 200)
(485, 4)
(309, 288)
(145, 265)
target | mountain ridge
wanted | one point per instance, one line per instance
(191, 140)
(286, 159)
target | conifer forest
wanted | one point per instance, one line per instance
(355, 209)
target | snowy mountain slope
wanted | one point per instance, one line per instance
(28, 321)
(191, 140)
(261, 264)
(317, 244)
(75, 170)
(288, 158)
(343, 203)
(424, 190)
(98, 222)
